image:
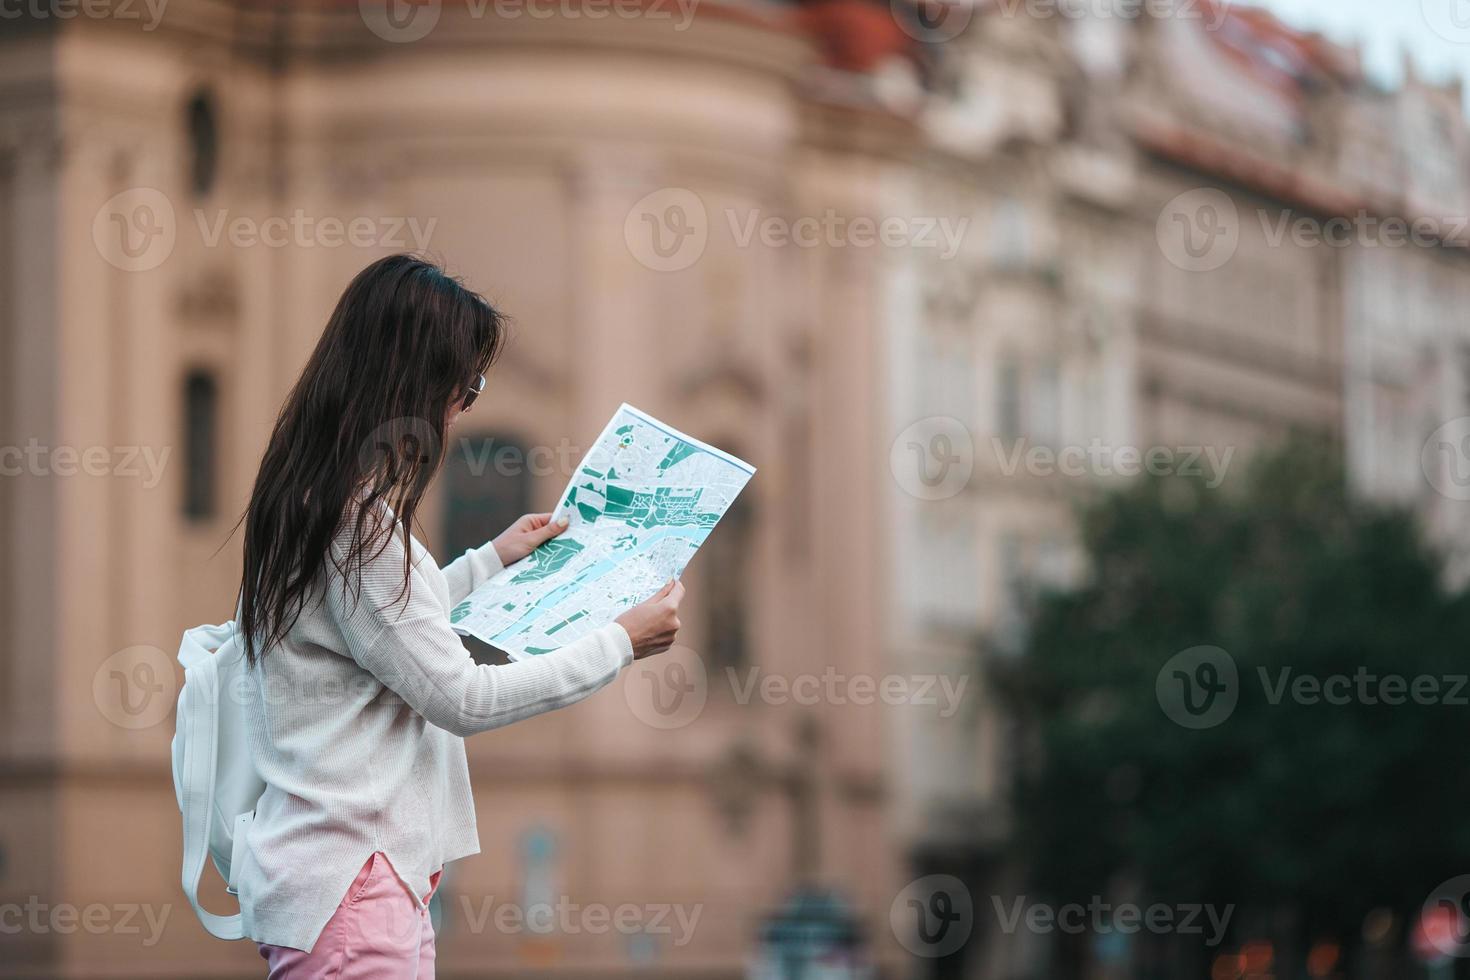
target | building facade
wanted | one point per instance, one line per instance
(1181, 252)
(178, 204)
(667, 201)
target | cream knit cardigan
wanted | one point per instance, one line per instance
(357, 724)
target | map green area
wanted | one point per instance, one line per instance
(640, 504)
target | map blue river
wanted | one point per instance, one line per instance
(605, 565)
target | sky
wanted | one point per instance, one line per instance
(1437, 32)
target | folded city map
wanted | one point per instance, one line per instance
(640, 504)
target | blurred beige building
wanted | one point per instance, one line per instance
(247, 142)
(669, 205)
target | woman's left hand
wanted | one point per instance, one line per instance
(522, 537)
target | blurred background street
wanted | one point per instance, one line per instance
(1096, 610)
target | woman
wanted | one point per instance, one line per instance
(362, 693)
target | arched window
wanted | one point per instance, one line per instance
(487, 485)
(203, 130)
(201, 411)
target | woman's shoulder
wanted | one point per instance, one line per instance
(369, 580)
(370, 532)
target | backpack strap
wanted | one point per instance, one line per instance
(199, 720)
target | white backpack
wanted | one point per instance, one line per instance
(215, 781)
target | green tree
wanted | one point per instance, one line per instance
(1324, 810)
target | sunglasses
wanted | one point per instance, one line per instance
(473, 393)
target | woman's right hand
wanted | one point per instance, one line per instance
(653, 623)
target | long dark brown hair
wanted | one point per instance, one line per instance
(365, 424)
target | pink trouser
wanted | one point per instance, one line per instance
(378, 933)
